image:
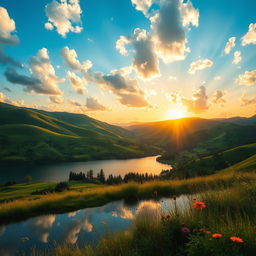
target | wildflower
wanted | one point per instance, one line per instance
(185, 230)
(202, 230)
(236, 239)
(194, 199)
(199, 205)
(168, 216)
(216, 235)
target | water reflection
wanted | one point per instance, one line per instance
(81, 227)
(59, 172)
(42, 226)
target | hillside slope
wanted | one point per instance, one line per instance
(29, 135)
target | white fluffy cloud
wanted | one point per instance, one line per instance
(198, 103)
(142, 5)
(125, 88)
(77, 82)
(237, 57)
(167, 31)
(248, 78)
(190, 15)
(70, 57)
(199, 65)
(7, 28)
(93, 104)
(65, 16)
(168, 22)
(230, 44)
(145, 61)
(250, 36)
(245, 101)
(43, 79)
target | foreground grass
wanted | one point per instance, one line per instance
(26, 190)
(229, 213)
(80, 198)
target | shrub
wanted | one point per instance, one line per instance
(62, 186)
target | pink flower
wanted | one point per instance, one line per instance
(185, 230)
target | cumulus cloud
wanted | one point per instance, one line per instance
(142, 5)
(218, 97)
(237, 57)
(168, 33)
(145, 61)
(199, 65)
(248, 78)
(70, 57)
(18, 103)
(56, 99)
(65, 16)
(48, 26)
(93, 104)
(245, 101)
(190, 15)
(6, 60)
(125, 88)
(250, 36)
(229, 45)
(77, 82)
(42, 80)
(7, 28)
(74, 103)
(3, 98)
(198, 103)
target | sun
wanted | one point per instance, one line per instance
(177, 113)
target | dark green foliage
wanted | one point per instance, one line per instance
(62, 186)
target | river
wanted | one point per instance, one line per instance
(60, 171)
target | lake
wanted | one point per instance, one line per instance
(60, 172)
(81, 227)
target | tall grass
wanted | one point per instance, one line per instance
(229, 212)
(74, 200)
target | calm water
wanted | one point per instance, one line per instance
(82, 227)
(60, 172)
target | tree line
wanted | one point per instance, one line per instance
(117, 179)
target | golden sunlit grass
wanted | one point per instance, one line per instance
(74, 200)
(224, 226)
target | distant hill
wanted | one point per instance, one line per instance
(203, 136)
(29, 135)
(240, 120)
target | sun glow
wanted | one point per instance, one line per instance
(177, 113)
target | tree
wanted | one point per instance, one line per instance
(101, 177)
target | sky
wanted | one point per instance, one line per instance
(130, 60)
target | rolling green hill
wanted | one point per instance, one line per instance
(200, 136)
(29, 135)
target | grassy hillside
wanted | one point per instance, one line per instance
(28, 135)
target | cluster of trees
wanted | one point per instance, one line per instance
(185, 167)
(112, 179)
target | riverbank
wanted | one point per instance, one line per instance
(81, 196)
(216, 223)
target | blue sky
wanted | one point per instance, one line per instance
(168, 91)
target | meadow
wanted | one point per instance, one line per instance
(216, 223)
